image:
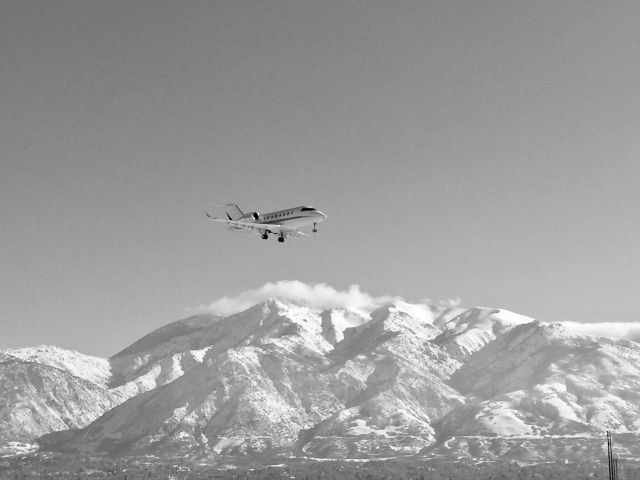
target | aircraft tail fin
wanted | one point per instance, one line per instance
(233, 211)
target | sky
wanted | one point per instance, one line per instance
(481, 150)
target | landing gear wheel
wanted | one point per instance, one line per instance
(265, 236)
(314, 228)
(281, 239)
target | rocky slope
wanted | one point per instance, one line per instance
(282, 378)
(39, 398)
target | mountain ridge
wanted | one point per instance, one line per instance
(281, 378)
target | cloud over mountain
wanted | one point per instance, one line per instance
(325, 297)
(318, 295)
(627, 330)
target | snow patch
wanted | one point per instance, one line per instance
(227, 443)
(503, 421)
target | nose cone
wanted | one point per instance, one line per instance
(322, 216)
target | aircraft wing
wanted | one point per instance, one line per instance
(261, 227)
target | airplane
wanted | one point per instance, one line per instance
(283, 223)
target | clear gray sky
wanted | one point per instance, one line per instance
(487, 150)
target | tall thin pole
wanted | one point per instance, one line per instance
(613, 461)
(610, 455)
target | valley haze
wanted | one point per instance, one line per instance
(296, 370)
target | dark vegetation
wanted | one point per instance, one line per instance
(81, 468)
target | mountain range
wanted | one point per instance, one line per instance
(282, 378)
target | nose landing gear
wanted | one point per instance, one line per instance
(315, 229)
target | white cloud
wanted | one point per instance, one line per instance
(628, 330)
(319, 295)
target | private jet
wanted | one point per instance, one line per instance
(283, 223)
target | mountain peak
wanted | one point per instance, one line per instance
(420, 312)
(94, 369)
(474, 328)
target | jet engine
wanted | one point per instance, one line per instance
(251, 215)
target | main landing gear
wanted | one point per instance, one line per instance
(265, 236)
(281, 239)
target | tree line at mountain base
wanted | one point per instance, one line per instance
(95, 468)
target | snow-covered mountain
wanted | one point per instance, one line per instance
(93, 369)
(40, 394)
(282, 377)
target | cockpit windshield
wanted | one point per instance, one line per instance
(307, 209)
